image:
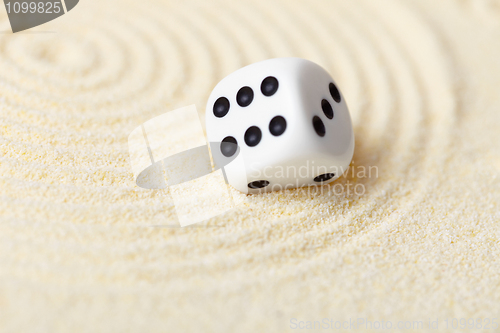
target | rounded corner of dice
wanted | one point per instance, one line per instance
(278, 124)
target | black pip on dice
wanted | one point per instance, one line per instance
(287, 121)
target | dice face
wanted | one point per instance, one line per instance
(287, 119)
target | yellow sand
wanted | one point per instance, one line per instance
(82, 249)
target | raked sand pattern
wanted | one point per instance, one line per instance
(83, 249)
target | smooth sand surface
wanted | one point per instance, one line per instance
(83, 249)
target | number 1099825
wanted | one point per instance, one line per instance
(33, 7)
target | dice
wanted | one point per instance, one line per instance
(286, 120)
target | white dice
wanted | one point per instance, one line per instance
(286, 120)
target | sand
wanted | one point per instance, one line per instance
(83, 249)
